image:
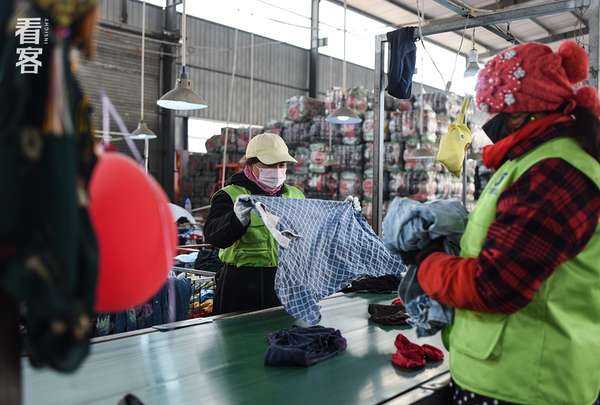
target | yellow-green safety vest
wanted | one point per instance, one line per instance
(549, 351)
(257, 247)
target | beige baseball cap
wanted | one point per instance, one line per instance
(268, 148)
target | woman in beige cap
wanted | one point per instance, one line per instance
(247, 248)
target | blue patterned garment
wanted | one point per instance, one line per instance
(323, 246)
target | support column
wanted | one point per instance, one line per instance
(314, 49)
(166, 139)
(378, 135)
(594, 35)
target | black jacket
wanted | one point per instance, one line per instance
(222, 228)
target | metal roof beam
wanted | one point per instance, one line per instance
(461, 10)
(506, 16)
(389, 23)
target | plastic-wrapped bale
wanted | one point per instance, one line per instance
(406, 124)
(349, 157)
(367, 185)
(297, 180)
(244, 137)
(274, 127)
(397, 185)
(368, 126)
(296, 134)
(393, 160)
(389, 103)
(442, 127)
(231, 137)
(404, 105)
(204, 187)
(351, 134)
(350, 184)
(302, 156)
(194, 164)
(213, 159)
(213, 144)
(318, 154)
(410, 145)
(444, 104)
(368, 155)
(357, 99)
(302, 108)
(442, 186)
(418, 185)
(319, 131)
(395, 124)
(187, 187)
(367, 210)
(323, 186)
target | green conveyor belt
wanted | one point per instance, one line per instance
(221, 362)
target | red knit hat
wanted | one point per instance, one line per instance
(532, 78)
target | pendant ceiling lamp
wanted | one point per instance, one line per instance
(182, 97)
(343, 115)
(142, 131)
(473, 67)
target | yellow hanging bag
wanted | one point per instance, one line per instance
(455, 142)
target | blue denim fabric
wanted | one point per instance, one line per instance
(411, 225)
(427, 316)
(334, 245)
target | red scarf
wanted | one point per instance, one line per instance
(493, 155)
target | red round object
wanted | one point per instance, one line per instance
(135, 232)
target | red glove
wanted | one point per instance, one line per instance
(432, 353)
(411, 355)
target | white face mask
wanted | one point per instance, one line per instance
(271, 178)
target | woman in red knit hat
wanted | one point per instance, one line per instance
(526, 286)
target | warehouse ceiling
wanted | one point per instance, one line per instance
(528, 20)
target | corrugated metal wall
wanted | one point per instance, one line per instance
(280, 71)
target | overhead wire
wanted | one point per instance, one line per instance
(449, 83)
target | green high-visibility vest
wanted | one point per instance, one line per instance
(257, 247)
(549, 351)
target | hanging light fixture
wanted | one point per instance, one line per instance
(343, 115)
(422, 153)
(330, 160)
(182, 97)
(142, 131)
(473, 67)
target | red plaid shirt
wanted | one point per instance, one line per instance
(544, 219)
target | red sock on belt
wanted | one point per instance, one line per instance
(411, 355)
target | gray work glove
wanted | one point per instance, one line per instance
(355, 202)
(242, 212)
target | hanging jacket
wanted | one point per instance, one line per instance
(543, 352)
(403, 57)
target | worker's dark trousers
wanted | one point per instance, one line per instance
(244, 289)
